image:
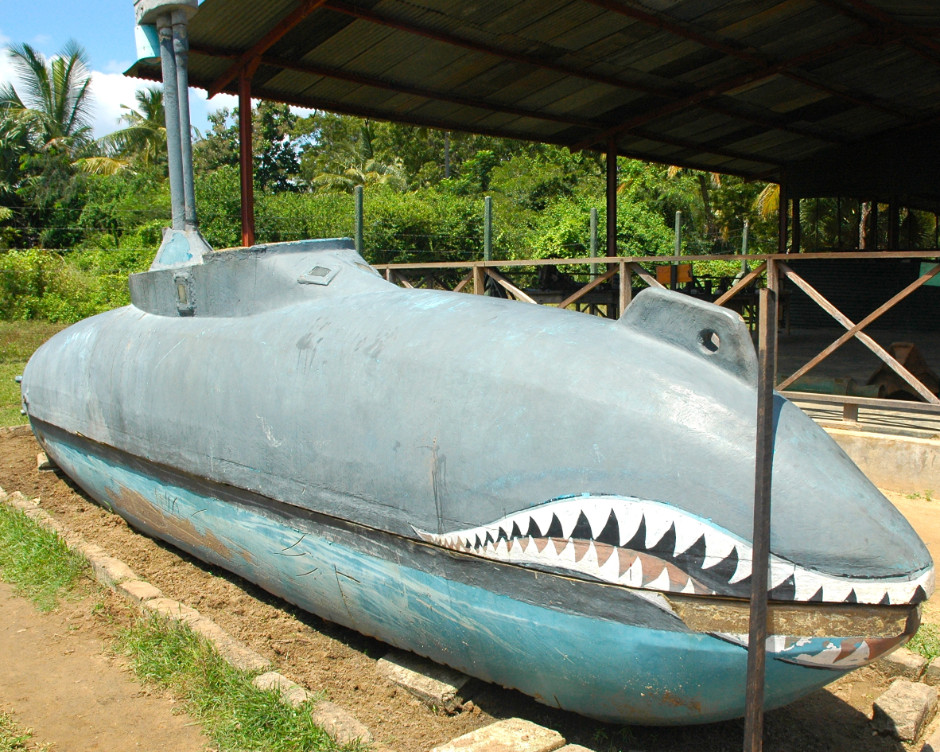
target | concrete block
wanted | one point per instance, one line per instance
(904, 710)
(138, 591)
(17, 499)
(110, 571)
(43, 463)
(898, 463)
(932, 673)
(511, 735)
(291, 693)
(171, 609)
(902, 664)
(339, 723)
(430, 682)
(240, 656)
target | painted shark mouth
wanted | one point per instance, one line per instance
(838, 654)
(649, 545)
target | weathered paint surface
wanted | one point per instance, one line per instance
(599, 667)
(286, 413)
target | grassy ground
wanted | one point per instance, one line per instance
(15, 738)
(233, 713)
(35, 561)
(18, 340)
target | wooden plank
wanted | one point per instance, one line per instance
(885, 307)
(506, 284)
(644, 275)
(901, 406)
(479, 280)
(578, 294)
(464, 282)
(741, 284)
(582, 260)
(626, 285)
(829, 308)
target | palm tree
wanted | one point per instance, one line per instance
(142, 142)
(144, 138)
(56, 100)
(51, 107)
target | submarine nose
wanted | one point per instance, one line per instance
(829, 519)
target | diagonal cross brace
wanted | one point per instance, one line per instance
(855, 330)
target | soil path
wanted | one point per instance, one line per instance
(341, 663)
(58, 678)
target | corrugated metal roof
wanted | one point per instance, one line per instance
(770, 89)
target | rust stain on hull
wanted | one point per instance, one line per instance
(172, 527)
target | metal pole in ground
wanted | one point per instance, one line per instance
(744, 267)
(674, 267)
(757, 636)
(593, 241)
(359, 220)
(487, 229)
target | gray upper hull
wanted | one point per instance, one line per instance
(404, 409)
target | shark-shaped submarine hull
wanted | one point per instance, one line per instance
(549, 501)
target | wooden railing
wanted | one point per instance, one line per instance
(609, 291)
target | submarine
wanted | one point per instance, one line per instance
(553, 502)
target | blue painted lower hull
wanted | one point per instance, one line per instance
(592, 662)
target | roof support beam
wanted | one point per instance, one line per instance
(265, 43)
(342, 75)
(883, 22)
(362, 80)
(679, 96)
(245, 162)
(766, 67)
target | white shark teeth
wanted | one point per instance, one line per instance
(615, 538)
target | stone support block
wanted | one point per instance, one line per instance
(339, 723)
(904, 710)
(902, 664)
(433, 684)
(510, 735)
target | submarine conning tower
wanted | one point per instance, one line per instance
(162, 33)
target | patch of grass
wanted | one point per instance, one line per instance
(14, 738)
(18, 340)
(232, 712)
(36, 561)
(926, 642)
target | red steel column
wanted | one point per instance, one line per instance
(245, 161)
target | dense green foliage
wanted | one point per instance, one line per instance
(76, 216)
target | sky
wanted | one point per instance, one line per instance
(105, 28)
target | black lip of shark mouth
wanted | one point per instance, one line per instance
(650, 545)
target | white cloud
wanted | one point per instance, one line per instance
(109, 91)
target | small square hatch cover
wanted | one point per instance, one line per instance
(319, 275)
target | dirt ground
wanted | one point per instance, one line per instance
(59, 678)
(340, 663)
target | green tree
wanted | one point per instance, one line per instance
(275, 150)
(142, 140)
(54, 108)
